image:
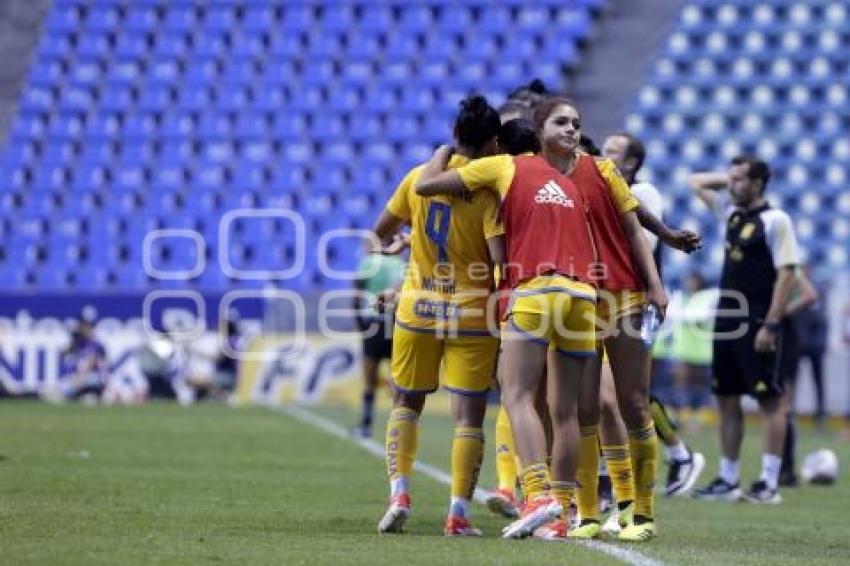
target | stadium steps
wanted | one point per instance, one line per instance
(20, 26)
(627, 40)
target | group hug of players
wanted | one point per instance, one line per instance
(518, 218)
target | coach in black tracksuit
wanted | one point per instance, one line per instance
(759, 266)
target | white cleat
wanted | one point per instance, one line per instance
(396, 515)
(612, 525)
(574, 517)
(535, 515)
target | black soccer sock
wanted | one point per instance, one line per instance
(368, 408)
(789, 448)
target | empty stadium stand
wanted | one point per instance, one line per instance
(768, 78)
(168, 114)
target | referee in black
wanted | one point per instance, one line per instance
(759, 273)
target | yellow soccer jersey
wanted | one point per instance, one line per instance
(620, 192)
(449, 276)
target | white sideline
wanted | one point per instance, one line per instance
(627, 555)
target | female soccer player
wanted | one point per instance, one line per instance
(441, 320)
(628, 281)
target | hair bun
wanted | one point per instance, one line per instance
(474, 104)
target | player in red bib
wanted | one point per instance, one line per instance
(628, 283)
(550, 258)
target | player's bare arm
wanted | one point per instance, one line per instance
(803, 295)
(656, 294)
(435, 180)
(706, 184)
(684, 240)
(496, 248)
(386, 228)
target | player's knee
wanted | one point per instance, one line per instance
(635, 413)
(608, 407)
(412, 401)
(773, 406)
(729, 405)
(588, 415)
(564, 414)
(517, 397)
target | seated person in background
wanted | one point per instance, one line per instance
(83, 365)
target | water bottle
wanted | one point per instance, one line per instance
(650, 324)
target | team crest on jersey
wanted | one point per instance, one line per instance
(747, 231)
(552, 193)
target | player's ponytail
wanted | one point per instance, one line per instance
(477, 122)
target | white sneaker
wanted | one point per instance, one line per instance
(683, 474)
(612, 525)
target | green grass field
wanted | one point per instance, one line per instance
(208, 484)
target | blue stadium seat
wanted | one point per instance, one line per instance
(207, 44)
(496, 19)
(180, 19)
(337, 18)
(219, 18)
(93, 46)
(64, 19)
(259, 19)
(402, 46)
(55, 46)
(131, 46)
(47, 73)
(171, 45)
(77, 99)
(376, 18)
(122, 72)
(416, 18)
(247, 45)
(298, 18)
(115, 98)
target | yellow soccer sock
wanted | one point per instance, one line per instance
(644, 449)
(588, 474)
(535, 480)
(506, 461)
(401, 444)
(619, 462)
(664, 425)
(564, 491)
(467, 452)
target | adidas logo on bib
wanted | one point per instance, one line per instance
(552, 193)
